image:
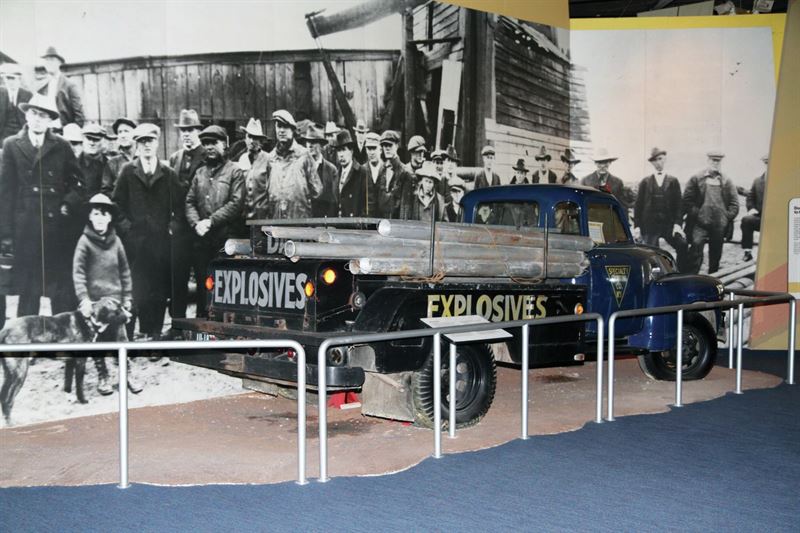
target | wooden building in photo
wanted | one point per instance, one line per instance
(228, 88)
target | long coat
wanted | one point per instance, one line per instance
(755, 197)
(482, 180)
(293, 182)
(653, 216)
(352, 192)
(68, 101)
(394, 191)
(327, 203)
(694, 196)
(11, 117)
(34, 184)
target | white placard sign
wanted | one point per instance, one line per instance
(794, 247)
(445, 321)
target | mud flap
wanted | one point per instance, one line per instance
(387, 396)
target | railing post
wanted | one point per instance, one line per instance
(122, 355)
(525, 365)
(599, 412)
(679, 361)
(437, 396)
(792, 340)
(322, 405)
(740, 313)
(731, 315)
(611, 321)
(452, 404)
(301, 416)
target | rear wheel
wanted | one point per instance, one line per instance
(699, 353)
(476, 379)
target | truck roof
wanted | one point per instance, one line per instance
(542, 192)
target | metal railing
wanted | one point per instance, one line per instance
(122, 349)
(437, 333)
(755, 298)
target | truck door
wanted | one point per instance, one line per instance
(616, 275)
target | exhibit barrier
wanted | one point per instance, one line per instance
(437, 333)
(122, 349)
(751, 299)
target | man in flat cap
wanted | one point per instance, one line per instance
(710, 202)
(62, 90)
(428, 203)
(372, 146)
(570, 160)
(213, 204)
(453, 208)
(543, 174)
(293, 179)
(520, 173)
(39, 190)
(602, 179)
(487, 175)
(394, 193)
(326, 204)
(331, 129)
(185, 162)
(416, 153)
(148, 196)
(11, 116)
(360, 152)
(254, 139)
(126, 150)
(751, 222)
(657, 212)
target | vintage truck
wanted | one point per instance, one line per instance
(259, 292)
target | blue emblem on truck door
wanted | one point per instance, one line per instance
(618, 278)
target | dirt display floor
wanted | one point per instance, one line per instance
(252, 438)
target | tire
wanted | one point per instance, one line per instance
(475, 387)
(699, 353)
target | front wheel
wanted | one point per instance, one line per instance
(699, 353)
(476, 379)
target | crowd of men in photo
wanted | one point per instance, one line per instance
(173, 216)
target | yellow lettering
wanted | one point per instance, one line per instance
(433, 304)
(540, 301)
(460, 305)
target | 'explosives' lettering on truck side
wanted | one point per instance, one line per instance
(496, 308)
(283, 290)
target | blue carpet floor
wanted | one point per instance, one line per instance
(731, 464)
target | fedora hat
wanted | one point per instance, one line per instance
(569, 157)
(188, 119)
(52, 52)
(520, 166)
(343, 138)
(361, 126)
(123, 120)
(655, 152)
(602, 154)
(42, 103)
(315, 134)
(451, 153)
(253, 128)
(331, 128)
(542, 155)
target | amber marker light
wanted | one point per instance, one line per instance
(209, 283)
(309, 289)
(579, 309)
(329, 276)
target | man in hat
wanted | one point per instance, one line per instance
(520, 173)
(123, 128)
(93, 163)
(351, 193)
(373, 167)
(360, 153)
(394, 194)
(710, 201)
(570, 160)
(544, 174)
(751, 222)
(416, 152)
(657, 212)
(74, 136)
(213, 205)
(39, 190)
(603, 180)
(487, 174)
(11, 116)
(331, 129)
(253, 139)
(326, 204)
(185, 162)
(63, 91)
(293, 179)
(428, 203)
(148, 196)
(453, 209)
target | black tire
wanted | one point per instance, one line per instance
(699, 353)
(475, 386)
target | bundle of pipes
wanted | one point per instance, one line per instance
(404, 248)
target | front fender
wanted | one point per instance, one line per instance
(659, 331)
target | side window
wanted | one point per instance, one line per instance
(567, 218)
(605, 225)
(517, 214)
